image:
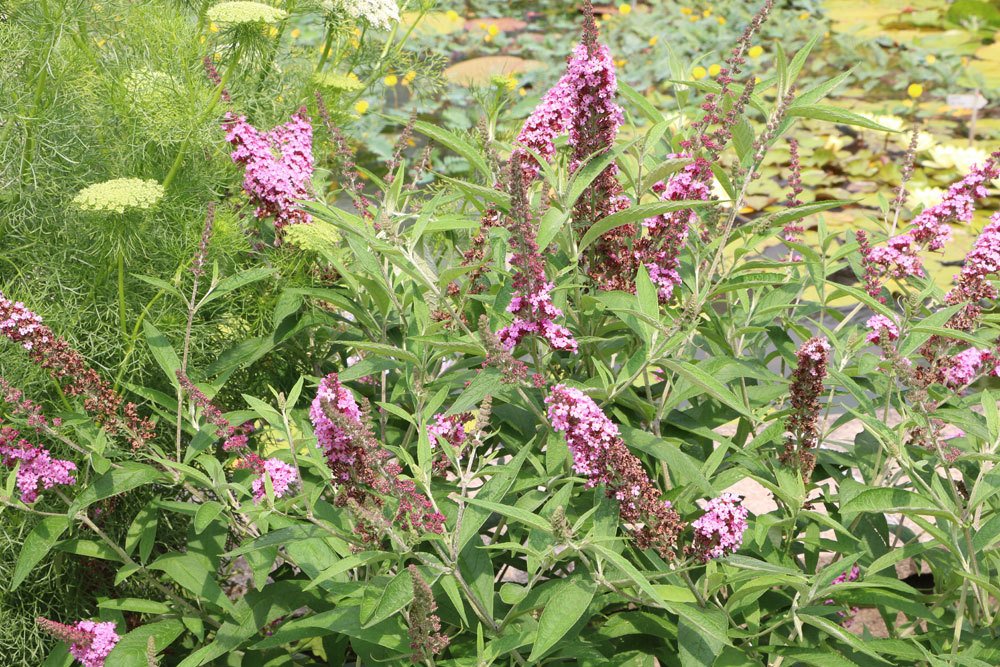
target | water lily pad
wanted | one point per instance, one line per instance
(479, 71)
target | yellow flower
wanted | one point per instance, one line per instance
(698, 72)
(624, 9)
(511, 83)
(685, 10)
(931, 59)
(522, 92)
(707, 13)
(201, 40)
(390, 80)
(653, 40)
(361, 107)
(804, 16)
(621, 62)
(101, 43)
(452, 15)
(965, 61)
(273, 32)
(713, 70)
(756, 80)
(493, 30)
(694, 18)
(915, 90)
(482, 25)
(487, 38)
(755, 51)
(213, 28)
(409, 77)
(295, 33)
(721, 20)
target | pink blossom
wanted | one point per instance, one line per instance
(931, 229)
(37, 470)
(981, 262)
(282, 477)
(602, 457)
(879, 324)
(90, 642)
(331, 438)
(278, 166)
(667, 233)
(719, 531)
(449, 427)
(963, 367)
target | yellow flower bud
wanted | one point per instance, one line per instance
(295, 33)
(931, 59)
(409, 77)
(390, 80)
(915, 90)
(213, 28)
(699, 72)
(624, 9)
(653, 40)
(685, 11)
(721, 20)
(361, 107)
(755, 51)
(493, 30)
(453, 15)
(713, 70)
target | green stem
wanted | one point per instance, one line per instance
(216, 95)
(121, 295)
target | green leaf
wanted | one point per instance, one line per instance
(241, 279)
(455, 143)
(893, 501)
(192, 572)
(835, 115)
(835, 630)
(39, 542)
(380, 604)
(130, 651)
(162, 352)
(707, 383)
(549, 226)
(639, 100)
(137, 605)
(345, 564)
(696, 647)
(206, 514)
(129, 476)
(493, 490)
(515, 513)
(629, 215)
(569, 600)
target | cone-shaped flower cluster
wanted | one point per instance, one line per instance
(931, 230)
(89, 642)
(600, 455)
(68, 367)
(531, 305)
(881, 329)
(803, 424)
(278, 166)
(667, 233)
(282, 476)
(719, 531)
(37, 469)
(366, 472)
(981, 262)
(426, 638)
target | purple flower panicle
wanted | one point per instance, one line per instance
(881, 330)
(719, 531)
(366, 472)
(278, 166)
(600, 455)
(90, 642)
(803, 424)
(282, 475)
(38, 470)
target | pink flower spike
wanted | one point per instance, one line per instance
(719, 531)
(282, 475)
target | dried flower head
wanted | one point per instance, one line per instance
(119, 195)
(803, 424)
(426, 638)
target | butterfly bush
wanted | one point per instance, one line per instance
(416, 456)
(37, 469)
(89, 642)
(278, 166)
